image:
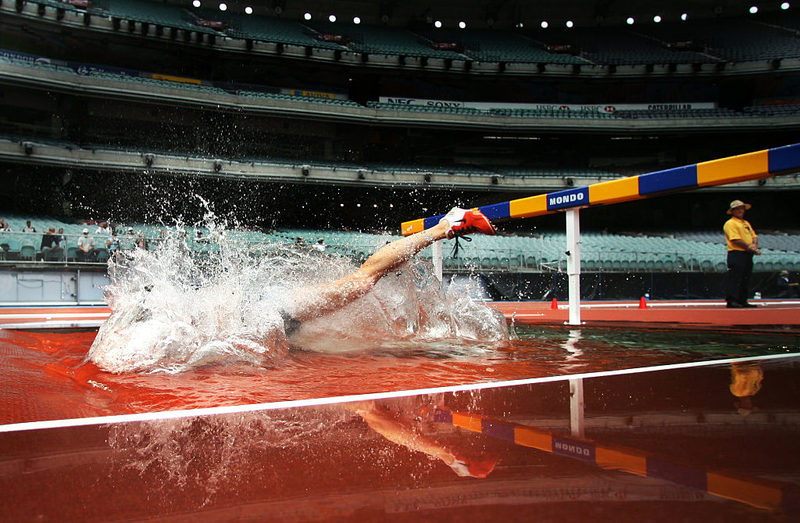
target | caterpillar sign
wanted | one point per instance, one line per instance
(724, 171)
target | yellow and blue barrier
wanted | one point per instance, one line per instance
(724, 171)
(760, 492)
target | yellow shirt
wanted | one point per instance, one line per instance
(736, 229)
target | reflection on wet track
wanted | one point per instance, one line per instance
(689, 442)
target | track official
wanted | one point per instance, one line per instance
(742, 243)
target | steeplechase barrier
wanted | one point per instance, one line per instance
(756, 165)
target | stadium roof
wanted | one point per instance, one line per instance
(496, 13)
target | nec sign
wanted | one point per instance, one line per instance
(569, 198)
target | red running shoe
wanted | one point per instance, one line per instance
(463, 221)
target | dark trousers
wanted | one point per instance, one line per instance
(737, 279)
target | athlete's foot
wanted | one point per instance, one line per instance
(467, 221)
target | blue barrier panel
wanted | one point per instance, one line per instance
(676, 473)
(497, 211)
(668, 180)
(497, 429)
(433, 221)
(574, 448)
(570, 198)
(784, 158)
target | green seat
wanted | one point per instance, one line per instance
(27, 253)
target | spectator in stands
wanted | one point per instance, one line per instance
(86, 252)
(742, 243)
(102, 229)
(320, 245)
(28, 227)
(49, 242)
(4, 226)
(60, 248)
(787, 289)
(141, 242)
(112, 244)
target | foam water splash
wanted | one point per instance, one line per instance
(175, 309)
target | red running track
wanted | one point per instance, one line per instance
(769, 315)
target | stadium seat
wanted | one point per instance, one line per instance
(27, 253)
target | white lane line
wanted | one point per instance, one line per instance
(236, 409)
(49, 315)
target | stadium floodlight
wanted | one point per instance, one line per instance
(307, 16)
(785, 6)
(248, 10)
(657, 18)
(437, 24)
(223, 6)
(685, 16)
(753, 9)
(544, 24)
(332, 18)
(196, 3)
(356, 20)
(462, 24)
(630, 20)
(570, 24)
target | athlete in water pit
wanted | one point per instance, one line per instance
(315, 301)
(154, 328)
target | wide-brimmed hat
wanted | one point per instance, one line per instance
(738, 203)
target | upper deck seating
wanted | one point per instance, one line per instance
(498, 46)
(614, 46)
(382, 40)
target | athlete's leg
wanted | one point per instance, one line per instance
(318, 300)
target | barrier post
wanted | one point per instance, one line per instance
(437, 259)
(577, 406)
(574, 264)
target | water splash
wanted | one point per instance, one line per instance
(174, 309)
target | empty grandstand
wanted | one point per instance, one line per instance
(291, 125)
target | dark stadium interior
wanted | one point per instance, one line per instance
(89, 120)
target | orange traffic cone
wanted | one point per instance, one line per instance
(554, 305)
(642, 303)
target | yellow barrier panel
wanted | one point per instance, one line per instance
(615, 191)
(729, 170)
(747, 490)
(413, 226)
(625, 460)
(528, 207)
(178, 79)
(530, 437)
(467, 422)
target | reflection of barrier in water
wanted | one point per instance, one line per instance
(762, 492)
(752, 166)
(318, 460)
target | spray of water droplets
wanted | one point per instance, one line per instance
(175, 309)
